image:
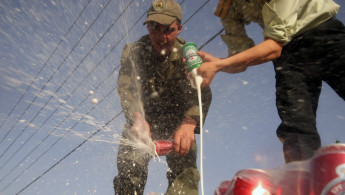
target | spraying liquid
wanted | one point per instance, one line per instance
(193, 62)
(198, 80)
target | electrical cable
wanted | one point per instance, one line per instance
(46, 62)
(28, 124)
(97, 65)
(50, 133)
(82, 143)
(92, 109)
(46, 84)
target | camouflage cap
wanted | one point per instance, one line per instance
(164, 12)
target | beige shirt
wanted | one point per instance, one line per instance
(281, 20)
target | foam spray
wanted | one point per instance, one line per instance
(193, 62)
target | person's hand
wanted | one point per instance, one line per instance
(208, 69)
(140, 129)
(206, 57)
(184, 136)
(212, 65)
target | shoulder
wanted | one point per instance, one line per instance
(142, 45)
(180, 41)
(177, 54)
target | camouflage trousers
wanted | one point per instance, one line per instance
(132, 164)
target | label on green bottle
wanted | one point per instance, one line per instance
(190, 52)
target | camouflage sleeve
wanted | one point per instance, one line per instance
(127, 85)
(235, 35)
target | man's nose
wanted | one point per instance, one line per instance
(165, 38)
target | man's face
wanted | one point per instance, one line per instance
(163, 37)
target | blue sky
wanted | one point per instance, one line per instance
(49, 66)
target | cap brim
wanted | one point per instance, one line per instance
(160, 18)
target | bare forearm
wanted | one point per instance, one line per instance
(266, 51)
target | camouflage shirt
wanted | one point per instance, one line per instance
(157, 86)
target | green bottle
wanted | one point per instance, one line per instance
(190, 52)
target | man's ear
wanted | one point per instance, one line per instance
(180, 27)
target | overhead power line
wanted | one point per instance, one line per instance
(46, 84)
(50, 168)
(99, 84)
(211, 39)
(196, 11)
(51, 96)
(50, 133)
(75, 89)
(46, 62)
(63, 158)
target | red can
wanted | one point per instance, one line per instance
(327, 169)
(164, 147)
(294, 182)
(223, 187)
(252, 181)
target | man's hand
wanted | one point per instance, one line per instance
(140, 129)
(184, 136)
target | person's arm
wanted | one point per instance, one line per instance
(129, 93)
(232, 18)
(140, 129)
(127, 85)
(266, 51)
(235, 36)
(184, 136)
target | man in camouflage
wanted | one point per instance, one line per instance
(158, 101)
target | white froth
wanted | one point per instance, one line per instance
(94, 101)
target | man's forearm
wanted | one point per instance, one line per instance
(189, 120)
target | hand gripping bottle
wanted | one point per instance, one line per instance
(193, 62)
